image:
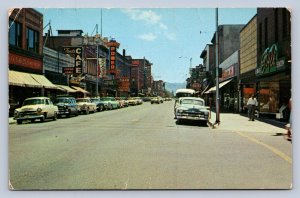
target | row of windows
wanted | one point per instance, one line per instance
(15, 36)
(263, 27)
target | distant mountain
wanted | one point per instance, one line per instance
(174, 86)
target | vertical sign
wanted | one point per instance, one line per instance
(77, 52)
(102, 65)
(112, 68)
(113, 46)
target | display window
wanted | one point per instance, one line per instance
(268, 97)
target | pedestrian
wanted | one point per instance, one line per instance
(251, 104)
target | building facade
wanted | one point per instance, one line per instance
(26, 69)
(248, 63)
(273, 72)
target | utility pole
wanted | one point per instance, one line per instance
(217, 73)
(97, 70)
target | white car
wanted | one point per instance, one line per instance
(191, 108)
(85, 105)
(36, 108)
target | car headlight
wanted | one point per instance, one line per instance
(205, 112)
(39, 110)
(16, 112)
(65, 107)
(180, 111)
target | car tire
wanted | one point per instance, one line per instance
(178, 121)
(87, 111)
(69, 114)
(42, 119)
(55, 116)
(19, 121)
(101, 108)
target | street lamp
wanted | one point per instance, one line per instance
(97, 39)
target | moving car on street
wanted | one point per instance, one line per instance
(67, 106)
(86, 106)
(36, 108)
(191, 108)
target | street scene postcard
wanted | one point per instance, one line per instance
(149, 98)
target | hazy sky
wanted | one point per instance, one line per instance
(160, 35)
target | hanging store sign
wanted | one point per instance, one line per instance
(113, 45)
(68, 70)
(124, 84)
(78, 54)
(270, 62)
(228, 73)
(102, 67)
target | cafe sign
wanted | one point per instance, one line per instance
(78, 53)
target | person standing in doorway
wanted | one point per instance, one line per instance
(251, 104)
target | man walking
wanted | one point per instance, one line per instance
(252, 103)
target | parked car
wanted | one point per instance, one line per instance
(123, 103)
(112, 103)
(85, 105)
(191, 108)
(146, 99)
(99, 103)
(155, 100)
(36, 108)
(132, 101)
(67, 106)
(139, 100)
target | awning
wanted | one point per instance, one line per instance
(81, 90)
(204, 91)
(67, 88)
(44, 81)
(213, 89)
(22, 79)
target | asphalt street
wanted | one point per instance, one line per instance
(142, 147)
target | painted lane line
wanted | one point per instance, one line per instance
(274, 150)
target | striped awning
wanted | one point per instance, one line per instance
(213, 89)
(67, 88)
(44, 81)
(22, 79)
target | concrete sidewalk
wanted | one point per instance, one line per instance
(239, 123)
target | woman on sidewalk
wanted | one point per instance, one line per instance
(251, 104)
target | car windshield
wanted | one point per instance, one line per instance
(61, 100)
(107, 99)
(192, 102)
(94, 100)
(82, 100)
(33, 102)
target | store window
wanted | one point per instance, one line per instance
(15, 33)
(269, 97)
(32, 38)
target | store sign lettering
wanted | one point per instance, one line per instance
(23, 61)
(77, 52)
(269, 58)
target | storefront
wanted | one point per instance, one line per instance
(274, 84)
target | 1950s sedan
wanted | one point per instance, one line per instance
(36, 108)
(86, 106)
(191, 108)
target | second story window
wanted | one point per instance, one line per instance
(32, 38)
(15, 33)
